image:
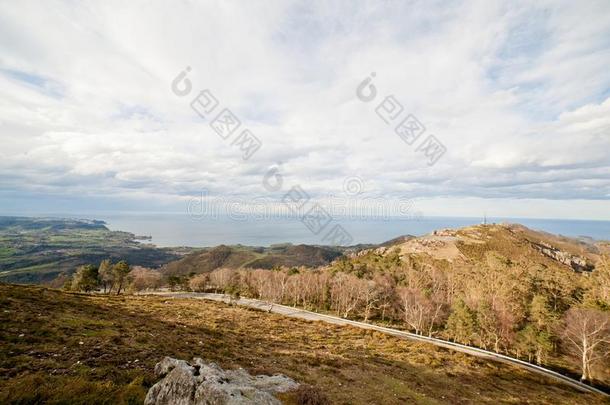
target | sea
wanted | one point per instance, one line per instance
(180, 229)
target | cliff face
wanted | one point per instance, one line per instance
(577, 263)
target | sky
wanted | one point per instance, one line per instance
(517, 93)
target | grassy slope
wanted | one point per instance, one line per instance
(48, 363)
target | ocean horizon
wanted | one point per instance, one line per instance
(180, 229)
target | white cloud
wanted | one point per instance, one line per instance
(518, 92)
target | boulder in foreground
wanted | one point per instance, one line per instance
(198, 382)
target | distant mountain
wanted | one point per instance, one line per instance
(239, 256)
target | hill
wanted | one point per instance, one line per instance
(66, 347)
(284, 255)
(513, 243)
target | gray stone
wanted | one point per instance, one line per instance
(199, 382)
(177, 387)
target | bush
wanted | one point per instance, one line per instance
(85, 279)
(309, 395)
(199, 282)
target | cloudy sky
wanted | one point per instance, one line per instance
(517, 92)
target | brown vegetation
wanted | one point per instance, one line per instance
(485, 286)
(74, 348)
(499, 294)
(235, 257)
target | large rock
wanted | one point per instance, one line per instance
(575, 262)
(199, 382)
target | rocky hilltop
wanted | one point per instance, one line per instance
(513, 243)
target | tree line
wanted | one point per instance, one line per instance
(113, 278)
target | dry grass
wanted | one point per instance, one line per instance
(123, 337)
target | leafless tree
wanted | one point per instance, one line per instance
(223, 279)
(345, 294)
(422, 313)
(142, 278)
(272, 285)
(387, 294)
(587, 331)
(257, 281)
(371, 295)
(315, 289)
(294, 290)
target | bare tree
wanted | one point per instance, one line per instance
(279, 280)
(413, 305)
(316, 290)
(345, 294)
(272, 285)
(294, 289)
(370, 294)
(224, 279)
(387, 294)
(142, 278)
(422, 313)
(257, 279)
(588, 333)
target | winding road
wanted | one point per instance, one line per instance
(313, 316)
